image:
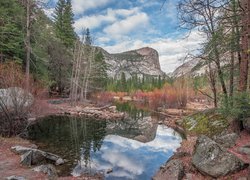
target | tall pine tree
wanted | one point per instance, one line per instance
(64, 22)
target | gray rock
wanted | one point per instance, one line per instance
(246, 124)
(15, 98)
(245, 149)
(48, 169)
(173, 170)
(15, 178)
(212, 159)
(227, 140)
(59, 161)
(26, 159)
(32, 156)
(20, 149)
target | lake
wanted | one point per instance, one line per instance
(133, 148)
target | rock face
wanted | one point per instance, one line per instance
(141, 61)
(15, 98)
(212, 159)
(174, 169)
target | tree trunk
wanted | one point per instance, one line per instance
(245, 46)
(27, 43)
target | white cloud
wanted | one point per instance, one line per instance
(127, 25)
(92, 22)
(111, 16)
(80, 6)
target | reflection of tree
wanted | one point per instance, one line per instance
(69, 137)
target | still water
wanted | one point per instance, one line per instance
(133, 148)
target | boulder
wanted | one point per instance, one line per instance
(30, 156)
(26, 159)
(212, 159)
(246, 124)
(227, 140)
(48, 169)
(173, 169)
(15, 98)
(245, 149)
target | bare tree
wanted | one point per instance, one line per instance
(204, 15)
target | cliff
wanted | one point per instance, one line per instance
(141, 61)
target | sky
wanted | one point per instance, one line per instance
(122, 25)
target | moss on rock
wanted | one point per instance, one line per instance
(208, 122)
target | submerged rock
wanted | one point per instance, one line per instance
(173, 169)
(212, 159)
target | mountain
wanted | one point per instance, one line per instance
(140, 61)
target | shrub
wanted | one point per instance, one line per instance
(14, 100)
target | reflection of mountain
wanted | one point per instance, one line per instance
(142, 129)
(130, 159)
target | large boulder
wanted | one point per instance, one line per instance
(173, 169)
(226, 140)
(246, 124)
(31, 156)
(15, 98)
(212, 159)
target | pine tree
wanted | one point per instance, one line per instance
(64, 22)
(87, 39)
(11, 30)
(68, 18)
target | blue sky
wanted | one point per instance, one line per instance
(121, 25)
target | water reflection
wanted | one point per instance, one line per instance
(130, 159)
(133, 148)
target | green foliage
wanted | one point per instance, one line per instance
(135, 82)
(99, 73)
(237, 106)
(11, 30)
(64, 22)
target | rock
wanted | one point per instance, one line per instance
(15, 178)
(245, 149)
(26, 159)
(32, 156)
(173, 170)
(20, 149)
(109, 171)
(48, 169)
(139, 61)
(59, 161)
(212, 159)
(227, 140)
(15, 98)
(246, 124)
